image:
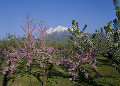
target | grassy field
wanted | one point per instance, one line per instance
(106, 76)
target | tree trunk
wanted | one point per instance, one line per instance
(45, 72)
(5, 79)
(6, 76)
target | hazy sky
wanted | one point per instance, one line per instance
(95, 13)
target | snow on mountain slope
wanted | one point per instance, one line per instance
(60, 33)
(57, 29)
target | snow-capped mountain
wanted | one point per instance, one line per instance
(60, 33)
(58, 29)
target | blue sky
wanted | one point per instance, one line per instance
(95, 13)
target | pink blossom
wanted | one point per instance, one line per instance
(7, 68)
(76, 73)
(82, 52)
(90, 51)
(94, 65)
(66, 60)
(11, 71)
(87, 64)
(28, 64)
(7, 62)
(85, 58)
(61, 70)
(73, 68)
(83, 70)
(77, 63)
(12, 67)
(70, 78)
(73, 73)
(57, 63)
(43, 58)
(70, 60)
(69, 73)
(96, 69)
(42, 65)
(14, 60)
(29, 61)
(87, 54)
(4, 72)
(87, 74)
(69, 69)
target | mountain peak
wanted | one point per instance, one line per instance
(57, 29)
(59, 26)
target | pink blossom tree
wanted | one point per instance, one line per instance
(74, 63)
(24, 59)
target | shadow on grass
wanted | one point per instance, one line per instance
(90, 81)
(104, 61)
(56, 73)
(97, 75)
(80, 80)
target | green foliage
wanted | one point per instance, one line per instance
(107, 40)
(104, 77)
(58, 44)
(8, 41)
(117, 23)
(117, 8)
(79, 39)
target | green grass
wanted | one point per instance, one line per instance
(106, 76)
